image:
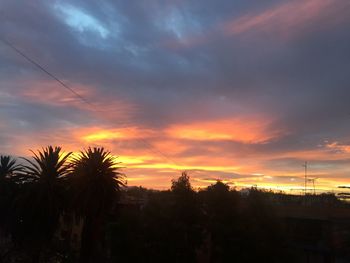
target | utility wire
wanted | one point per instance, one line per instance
(47, 72)
(83, 99)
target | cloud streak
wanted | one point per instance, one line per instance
(289, 18)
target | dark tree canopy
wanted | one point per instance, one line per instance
(181, 184)
(53, 193)
(42, 198)
(95, 184)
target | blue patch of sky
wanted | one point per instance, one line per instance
(82, 21)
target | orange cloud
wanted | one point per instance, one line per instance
(170, 145)
(98, 135)
(53, 94)
(148, 168)
(246, 130)
(338, 147)
(50, 92)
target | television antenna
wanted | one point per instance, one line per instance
(305, 183)
(312, 180)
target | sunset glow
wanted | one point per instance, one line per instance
(241, 130)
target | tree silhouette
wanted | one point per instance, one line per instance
(42, 198)
(9, 169)
(221, 221)
(264, 228)
(216, 224)
(181, 184)
(95, 185)
(186, 229)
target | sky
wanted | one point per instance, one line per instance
(241, 91)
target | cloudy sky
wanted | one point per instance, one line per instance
(243, 91)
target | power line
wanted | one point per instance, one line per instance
(47, 72)
(84, 100)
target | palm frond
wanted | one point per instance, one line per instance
(49, 163)
(96, 179)
(9, 166)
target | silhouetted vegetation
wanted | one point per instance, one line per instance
(62, 208)
(94, 185)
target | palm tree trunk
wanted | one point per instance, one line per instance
(86, 240)
(91, 250)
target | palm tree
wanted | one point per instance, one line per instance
(9, 169)
(95, 183)
(43, 198)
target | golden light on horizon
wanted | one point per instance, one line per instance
(137, 161)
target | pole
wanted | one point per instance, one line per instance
(305, 185)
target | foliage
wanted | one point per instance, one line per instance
(94, 186)
(9, 170)
(8, 167)
(42, 198)
(215, 224)
(182, 184)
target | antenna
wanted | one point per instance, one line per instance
(305, 184)
(313, 184)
